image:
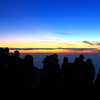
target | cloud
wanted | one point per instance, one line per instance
(31, 48)
(48, 41)
(87, 42)
(59, 48)
(62, 33)
(77, 49)
(92, 43)
(98, 44)
(58, 42)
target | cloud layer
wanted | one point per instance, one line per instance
(72, 49)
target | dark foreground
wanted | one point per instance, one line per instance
(20, 79)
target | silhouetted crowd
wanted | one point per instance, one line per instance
(20, 79)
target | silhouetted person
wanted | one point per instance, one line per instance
(7, 53)
(44, 60)
(28, 79)
(65, 61)
(93, 90)
(64, 65)
(50, 81)
(6, 76)
(16, 53)
(4, 57)
(72, 79)
(90, 71)
(97, 80)
(16, 60)
(82, 65)
(2, 80)
(76, 61)
(56, 56)
(81, 59)
(76, 65)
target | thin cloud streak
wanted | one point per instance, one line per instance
(62, 33)
(87, 42)
(91, 43)
(75, 49)
(57, 42)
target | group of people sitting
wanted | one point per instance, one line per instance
(71, 80)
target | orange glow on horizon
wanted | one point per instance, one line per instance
(57, 51)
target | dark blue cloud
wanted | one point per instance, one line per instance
(98, 44)
(87, 42)
(92, 43)
(59, 48)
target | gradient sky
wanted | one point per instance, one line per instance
(50, 25)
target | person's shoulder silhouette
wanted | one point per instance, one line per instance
(90, 69)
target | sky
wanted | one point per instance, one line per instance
(56, 26)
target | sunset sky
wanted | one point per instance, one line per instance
(62, 26)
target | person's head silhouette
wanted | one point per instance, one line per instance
(16, 53)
